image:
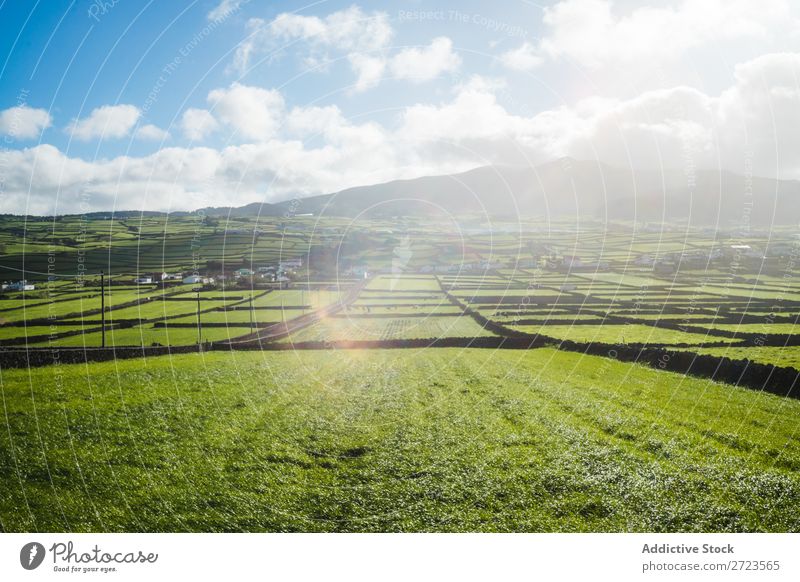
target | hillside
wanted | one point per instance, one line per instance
(561, 188)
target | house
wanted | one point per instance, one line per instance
(20, 286)
(291, 264)
(158, 277)
(746, 251)
(146, 280)
(359, 271)
(575, 264)
(239, 273)
(197, 280)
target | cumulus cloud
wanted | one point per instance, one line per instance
(109, 121)
(596, 33)
(197, 124)
(23, 122)
(761, 113)
(308, 150)
(424, 64)
(224, 9)
(253, 112)
(369, 70)
(151, 133)
(346, 31)
(523, 58)
(359, 37)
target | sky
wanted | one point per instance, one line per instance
(143, 105)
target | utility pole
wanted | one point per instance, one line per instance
(251, 312)
(102, 310)
(199, 327)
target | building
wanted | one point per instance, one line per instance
(197, 280)
(239, 273)
(20, 286)
(359, 271)
(291, 264)
(146, 280)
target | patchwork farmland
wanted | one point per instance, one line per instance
(397, 376)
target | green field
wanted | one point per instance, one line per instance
(466, 440)
(393, 438)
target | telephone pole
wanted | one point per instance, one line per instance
(102, 310)
(199, 327)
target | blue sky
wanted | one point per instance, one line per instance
(178, 105)
(71, 57)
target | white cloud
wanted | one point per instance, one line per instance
(23, 122)
(224, 9)
(424, 64)
(361, 38)
(317, 149)
(761, 112)
(595, 33)
(152, 133)
(109, 121)
(253, 112)
(197, 124)
(474, 113)
(347, 31)
(369, 70)
(523, 58)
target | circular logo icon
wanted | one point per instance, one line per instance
(31, 555)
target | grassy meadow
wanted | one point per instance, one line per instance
(293, 438)
(392, 440)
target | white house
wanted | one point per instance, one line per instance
(197, 280)
(291, 264)
(143, 280)
(20, 286)
(359, 271)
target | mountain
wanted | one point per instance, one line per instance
(564, 187)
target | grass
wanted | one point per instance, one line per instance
(371, 329)
(390, 440)
(146, 335)
(788, 356)
(616, 334)
(396, 440)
